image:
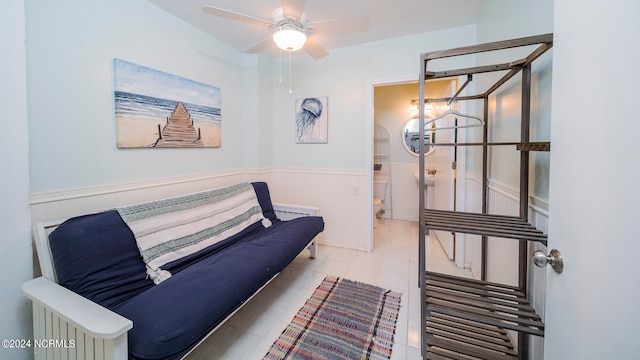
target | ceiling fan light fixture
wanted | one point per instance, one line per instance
(289, 38)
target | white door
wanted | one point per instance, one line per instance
(592, 308)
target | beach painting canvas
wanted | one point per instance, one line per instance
(156, 109)
(312, 120)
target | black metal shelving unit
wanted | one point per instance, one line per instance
(465, 318)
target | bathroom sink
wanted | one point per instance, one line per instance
(429, 180)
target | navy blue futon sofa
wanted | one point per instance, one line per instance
(96, 256)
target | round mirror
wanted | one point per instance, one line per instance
(411, 136)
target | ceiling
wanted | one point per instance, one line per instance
(387, 19)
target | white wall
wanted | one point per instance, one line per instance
(346, 77)
(71, 98)
(331, 176)
(75, 165)
(502, 20)
(70, 47)
(257, 105)
(15, 241)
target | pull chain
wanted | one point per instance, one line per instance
(280, 66)
(290, 91)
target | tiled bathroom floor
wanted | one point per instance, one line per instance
(393, 265)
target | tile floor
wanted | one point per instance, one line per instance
(393, 265)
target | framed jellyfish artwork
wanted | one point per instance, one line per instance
(312, 120)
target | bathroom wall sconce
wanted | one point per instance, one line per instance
(413, 108)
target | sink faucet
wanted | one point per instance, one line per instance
(431, 171)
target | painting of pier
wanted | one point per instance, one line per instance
(155, 109)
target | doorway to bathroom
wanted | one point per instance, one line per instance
(395, 110)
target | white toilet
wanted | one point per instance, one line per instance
(379, 194)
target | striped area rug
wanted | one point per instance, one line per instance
(343, 319)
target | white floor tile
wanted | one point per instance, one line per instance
(256, 319)
(413, 353)
(413, 331)
(362, 274)
(393, 280)
(401, 334)
(371, 260)
(392, 264)
(231, 344)
(399, 351)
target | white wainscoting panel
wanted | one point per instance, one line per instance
(502, 255)
(339, 195)
(539, 217)
(473, 243)
(58, 205)
(405, 191)
(502, 261)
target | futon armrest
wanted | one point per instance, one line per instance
(95, 319)
(290, 212)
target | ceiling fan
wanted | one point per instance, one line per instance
(290, 29)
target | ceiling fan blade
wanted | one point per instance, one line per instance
(261, 46)
(293, 8)
(345, 25)
(236, 16)
(314, 49)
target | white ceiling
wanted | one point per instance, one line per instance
(387, 18)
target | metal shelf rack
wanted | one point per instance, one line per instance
(466, 318)
(511, 227)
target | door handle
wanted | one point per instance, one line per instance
(554, 259)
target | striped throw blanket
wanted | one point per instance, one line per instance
(170, 229)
